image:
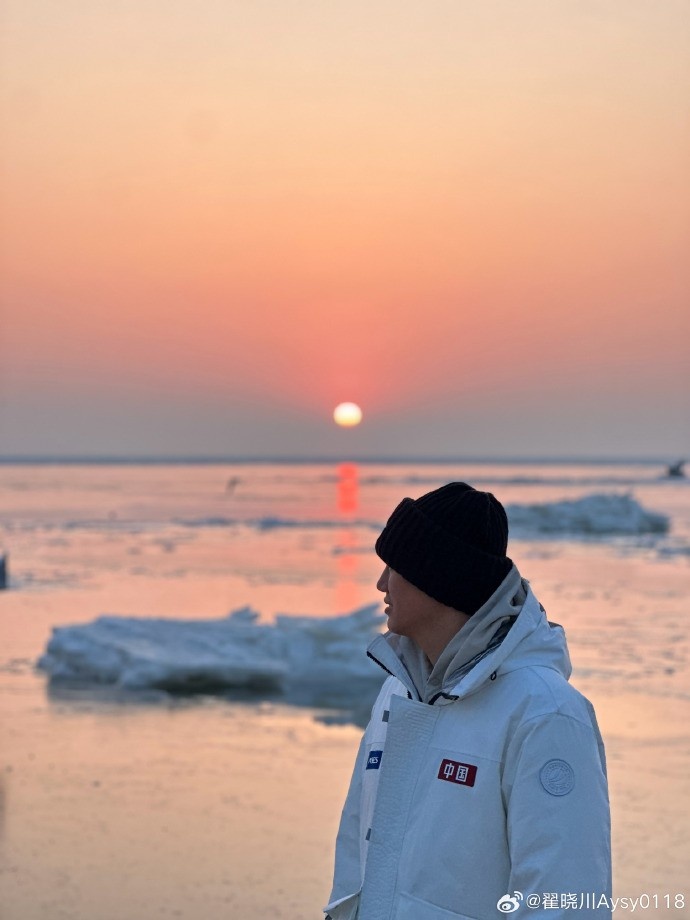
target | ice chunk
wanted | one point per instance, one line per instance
(601, 514)
(208, 655)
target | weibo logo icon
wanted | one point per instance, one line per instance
(508, 903)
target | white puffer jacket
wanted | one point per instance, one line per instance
(481, 779)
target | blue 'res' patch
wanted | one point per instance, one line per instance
(374, 760)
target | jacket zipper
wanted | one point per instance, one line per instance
(369, 655)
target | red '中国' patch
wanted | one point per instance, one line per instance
(455, 772)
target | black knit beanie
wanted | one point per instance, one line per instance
(450, 543)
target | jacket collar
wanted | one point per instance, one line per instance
(510, 630)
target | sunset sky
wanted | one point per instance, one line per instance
(221, 218)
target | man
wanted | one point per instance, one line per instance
(480, 783)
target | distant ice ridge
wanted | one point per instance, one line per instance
(597, 514)
(293, 653)
(604, 514)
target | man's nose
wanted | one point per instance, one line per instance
(382, 583)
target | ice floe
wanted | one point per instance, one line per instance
(236, 651)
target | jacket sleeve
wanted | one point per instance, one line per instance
(558, 822)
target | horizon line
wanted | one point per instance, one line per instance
(209, 460)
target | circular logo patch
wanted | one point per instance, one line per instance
(557, 777)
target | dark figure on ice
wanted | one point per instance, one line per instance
(675, 470)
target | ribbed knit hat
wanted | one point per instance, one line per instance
(450, 543)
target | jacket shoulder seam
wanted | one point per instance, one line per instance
(550, 713)
(558, 706)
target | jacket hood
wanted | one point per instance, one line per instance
(509, 631)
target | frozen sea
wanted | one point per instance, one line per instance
(183, 677)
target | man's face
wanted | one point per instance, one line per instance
(408, 609)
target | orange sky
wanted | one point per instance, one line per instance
(224, 215)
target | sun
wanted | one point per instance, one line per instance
(347, 414)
